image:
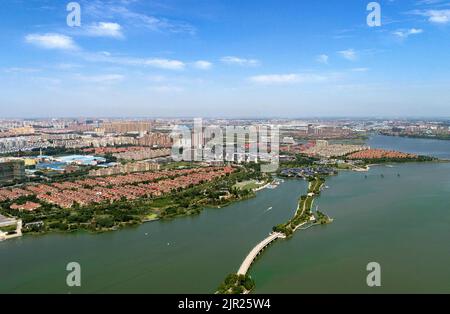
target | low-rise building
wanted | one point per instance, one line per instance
(127, 168)
(28, 206)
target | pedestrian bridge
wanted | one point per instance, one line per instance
(254, 253)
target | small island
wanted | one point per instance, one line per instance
(304, 216)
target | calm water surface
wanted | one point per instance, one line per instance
(183, 255)
(403, 223)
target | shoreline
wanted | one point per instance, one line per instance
(313, 192)
(262, 187)
(137, 224)
(106, 217)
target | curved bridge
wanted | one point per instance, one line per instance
(257, 250)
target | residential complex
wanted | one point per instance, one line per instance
(324, 149)
(109, 189)
(140, 166)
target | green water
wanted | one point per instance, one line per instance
(400, 222)
(403, 223)
(185, 255)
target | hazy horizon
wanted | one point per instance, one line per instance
(124, 117)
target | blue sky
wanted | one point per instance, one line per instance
(229, 58)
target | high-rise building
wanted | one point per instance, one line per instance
(11, 169)
(127, 127)
(155, 139)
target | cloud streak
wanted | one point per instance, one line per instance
(323, 58)
(286, 79)
(408, 32)
(106, 78)
(349, 54)
(161, 63)
(99, 10)
(202, 65)
(435, 16)
(232, 60)
(104, 29)
(51, 41)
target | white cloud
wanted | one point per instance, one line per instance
(438, 16)
(160, 63)
(99, 10)
(202, 65)
(428, 2)
(275, 78)
(281, 79)
(435, 16)
(164, 64)
(406, 33)
(240, 61)
(349, 54)
(323, 58)
(51, 41)
(106, 78)
(104, 29)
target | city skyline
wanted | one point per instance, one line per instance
(211, 59)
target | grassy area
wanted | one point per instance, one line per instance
(316, 185)
(152, 216)
(344, 166)
(11, 228)
(248, 185)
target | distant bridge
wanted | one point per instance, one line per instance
(254, 253)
